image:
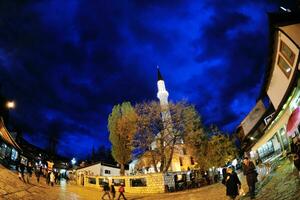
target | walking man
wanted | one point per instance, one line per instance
(106, 190)
(113, 191)
(251, 176)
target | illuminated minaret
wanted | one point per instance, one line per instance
(162, 93)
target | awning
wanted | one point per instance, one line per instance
(5, 135)
(293, 122)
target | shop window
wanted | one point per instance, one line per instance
(106, 171)
(14, 154)
(117, 182)
(284, 66)
(102, 181)
(138, 182)
(92, 180)
(288, 54)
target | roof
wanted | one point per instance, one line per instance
(159, 76)
(5, 135)
(101, 163)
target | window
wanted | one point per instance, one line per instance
(287, 53)
(102, 180)
(106, 171)
(14, 154)
(284, 66)
(92, 180)
(138, 182)
(118, 182)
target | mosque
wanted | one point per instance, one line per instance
(181, 161)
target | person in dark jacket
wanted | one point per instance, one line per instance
(29, 171)
(233, 184)
(224, 173)
(251, 175)
(295, 149)
(22, 169)
(106, 190)
(113, 191)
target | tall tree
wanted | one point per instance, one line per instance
(211, 149)
(122, 125)
(161, 131)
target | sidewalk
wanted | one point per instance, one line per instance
(282, 184)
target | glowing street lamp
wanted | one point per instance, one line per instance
(73, 161)
(10, 105)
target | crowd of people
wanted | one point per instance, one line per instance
(111, 190)
(25, 173)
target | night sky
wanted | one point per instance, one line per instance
(66, 63)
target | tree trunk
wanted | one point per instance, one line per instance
(122, 170)
(168, 163)
(154, 162)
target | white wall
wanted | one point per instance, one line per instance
(113, 171)
(93, 170)
(279, 82)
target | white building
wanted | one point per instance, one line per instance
(99, 169)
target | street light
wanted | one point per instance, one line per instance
(10, 105)
(73, 161)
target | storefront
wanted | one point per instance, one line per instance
(275, 140)
(9, 149)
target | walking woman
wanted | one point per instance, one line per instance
(122, 190)
(233, 184)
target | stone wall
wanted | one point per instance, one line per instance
(154, 183)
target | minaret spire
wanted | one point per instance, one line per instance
(159, 76)
(162, 93)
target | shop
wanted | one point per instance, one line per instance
(9, 149)
(275, 140)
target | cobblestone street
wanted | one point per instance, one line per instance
(281, 184)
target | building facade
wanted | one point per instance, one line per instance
(267, 136)
(9, 149)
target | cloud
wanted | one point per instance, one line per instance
(71, 61)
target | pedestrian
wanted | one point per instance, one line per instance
(113, 191)
(58, 178)
(37, 174)
(21, 173)
(233, 184)
(29, 171)
(122, 191)
(224, 174)
(48, 177)
(251, 176)
(106, 190)
(295, 149)
(52, 178)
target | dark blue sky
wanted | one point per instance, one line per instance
(68, 62)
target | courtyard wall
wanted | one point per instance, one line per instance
(148, 183)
